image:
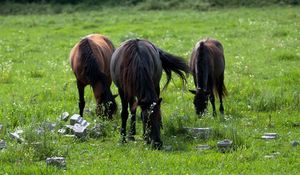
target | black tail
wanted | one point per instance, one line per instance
(222, 91)
(91, 67)
(173, 63)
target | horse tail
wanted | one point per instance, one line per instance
(220, 86)
(173, 63)
(90, 65)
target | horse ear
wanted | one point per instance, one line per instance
(193, 91)
(115, 96)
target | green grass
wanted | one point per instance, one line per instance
(262, 77)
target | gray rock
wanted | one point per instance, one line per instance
(2, 144)
(40, 131)
(69, 129)
(59, 162)
(203, 147)
(64, 116)
(275, 135)
(1, 128)
(75, 119)
(168, 148)
(48, 126)
(16, 136)
(224, 145)
(79, 131)
(202, 133)
(97, 131)
(272, 155)
(295, 143)
(62, 131)
(268, 137)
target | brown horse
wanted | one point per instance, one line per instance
(136, 70)
(90, 62)
(207, 65)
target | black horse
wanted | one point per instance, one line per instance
(90, 62)
(207, 65)
(136, 69)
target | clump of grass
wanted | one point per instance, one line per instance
(36, 74)
(5, 71)
(287, 56)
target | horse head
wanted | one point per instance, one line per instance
(151, 116)
(108, 106)
(200, 100)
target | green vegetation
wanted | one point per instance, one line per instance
(262, 77)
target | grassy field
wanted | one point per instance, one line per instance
(262, 51)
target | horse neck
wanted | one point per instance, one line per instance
(101, 92)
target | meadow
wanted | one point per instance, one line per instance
(262, 75)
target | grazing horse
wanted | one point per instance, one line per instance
(136, 69)
(207, 65)
(90, 62)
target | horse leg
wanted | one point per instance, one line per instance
(81, 102)
(221, 105)
(212, 101)
(124, 116)
(157, 89)
(220, 92)
(133, 107)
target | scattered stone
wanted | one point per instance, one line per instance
(203, 133)
(295, 143)
(75, 119)
(2, 144)
(69, 129)
(203, 147)
(62, 131)
(40, 131)
(272, 155)
(269, 156)
(64, 116)
(269, 136)
(59, 162)
(224, 145)
(19, 131)
(96, 131)
(79, 131)
(168, 148)
(1, 127)
(48, 126)
(16, 136)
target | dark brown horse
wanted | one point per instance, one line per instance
(136, 69)
(90, 62)
(207, 65)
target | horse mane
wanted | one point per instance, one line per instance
(90, 64)
(200, 53)
(137, 77)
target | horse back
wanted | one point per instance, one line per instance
(101, 49)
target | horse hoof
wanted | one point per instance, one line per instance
(157, 145)
(131, 138)
(123, 140)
